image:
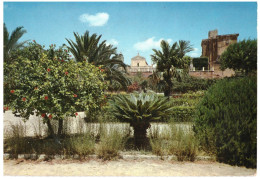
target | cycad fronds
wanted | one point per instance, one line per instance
(141, 107)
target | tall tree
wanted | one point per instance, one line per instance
(169, 60)
(89, 48)
(241, 56)
(11, 41)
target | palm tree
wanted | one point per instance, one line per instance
(140, 110)
(184, 47)
(87, 47)
(11, 41)
(169, 59)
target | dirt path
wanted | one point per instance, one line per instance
(122, 168)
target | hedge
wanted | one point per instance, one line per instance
(225, 122)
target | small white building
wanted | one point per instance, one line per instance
(139, 64)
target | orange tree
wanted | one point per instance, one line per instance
(49, 84)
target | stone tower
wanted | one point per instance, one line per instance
(215, 45)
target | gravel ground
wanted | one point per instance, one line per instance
(122, 167)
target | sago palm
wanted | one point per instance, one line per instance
(139, 110)
(11, 41)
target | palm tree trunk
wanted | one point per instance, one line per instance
(140, 131)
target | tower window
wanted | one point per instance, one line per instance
(138, 64)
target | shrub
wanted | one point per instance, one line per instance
(174, 141)
(240, 56)
(183, 144)
(15, 142)
(184, 106)
(198, 63)
(159, 139)
(226, 121)
(133, 87)
(50, 85)
(192, 84)
(82, 145)
(139, 111)
(112, 140)
(183, 113)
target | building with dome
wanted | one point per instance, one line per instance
(139, 64)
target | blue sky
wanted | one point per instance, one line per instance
(133, 26)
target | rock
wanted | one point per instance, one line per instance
(6, 156)
(27, 156)
(41, 157)
(20, 156)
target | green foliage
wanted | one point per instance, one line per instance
(82, 145)
(192, 84)
(183, 113)
(169, 60)
(50, 85)
(198, 63)
(89, 48)
(139, 110)
(184, 106)
(240, 56)
(226, 121)
(11, 42)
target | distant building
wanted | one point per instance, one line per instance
(215, 45)
(139, 64)
(212, 48)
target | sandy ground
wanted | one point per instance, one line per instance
(122, 167)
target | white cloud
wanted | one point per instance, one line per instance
(112, 42)
(98, 19)
(149, 44)
(194, 53)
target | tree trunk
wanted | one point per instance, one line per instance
(56, 139)
(167, 91)
(140, 130)
(60, 127)
(50, 128)
(168, 88)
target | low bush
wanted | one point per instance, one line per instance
(112, 140)
(159, 139)
(15, 141)
(133, 87)
(183, 113)
(226, 123)
(192, 84)
(184, 145)
(82, 145)
(176, 141)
